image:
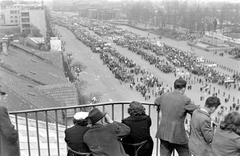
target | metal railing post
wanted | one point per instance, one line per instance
(37, 130)
(28, 140)
(158, 111)
(112, 111)
(16, 121)
(56, 116)
(48, 144)
(122, 111)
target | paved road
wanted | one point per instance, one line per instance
(99, 78)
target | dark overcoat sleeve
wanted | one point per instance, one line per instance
(6, 126)
(189, 106)
(121, 129)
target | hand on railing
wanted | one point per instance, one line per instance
(158, 107)
(108, 119)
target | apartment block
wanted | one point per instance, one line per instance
(35, 18)
(11, 15)
(24, 16)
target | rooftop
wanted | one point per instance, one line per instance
(24, 70)
(63, 93)
(32, 67)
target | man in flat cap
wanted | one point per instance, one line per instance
(8, 134)
(74, 134)
(174, 106)
(202, 129)
(103, 137)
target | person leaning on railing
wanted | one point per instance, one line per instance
(139, 124)
(104, 135)
(74, 134)
(226, 141)
(174, 107)
(8, 135)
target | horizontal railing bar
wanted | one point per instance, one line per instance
(72, 107)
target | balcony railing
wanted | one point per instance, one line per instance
(42, 126)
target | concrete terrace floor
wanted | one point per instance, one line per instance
(42, 138)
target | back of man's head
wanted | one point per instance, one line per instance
(180, 84)
(212, 101)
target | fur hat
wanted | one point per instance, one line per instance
(95, 115)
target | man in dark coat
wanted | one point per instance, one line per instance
(139, 124)
(8, 135)
(174, 106)
(74, 134)
(103, 137)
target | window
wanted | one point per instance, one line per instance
(11, 16)
(15, 16)
(16, 21)
(25, 14)
(25, 20)
(11, 21)
(13, 12)
(26, 25)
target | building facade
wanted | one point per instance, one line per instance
(36, 18)
(25, 16)
(11, 15)
(99, 11)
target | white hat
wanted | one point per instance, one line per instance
(80, 115)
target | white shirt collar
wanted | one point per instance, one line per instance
(204, 110)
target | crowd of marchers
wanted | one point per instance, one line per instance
(140, 79)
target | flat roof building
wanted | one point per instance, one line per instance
(11, 14)
(36, 18)
(25, 16)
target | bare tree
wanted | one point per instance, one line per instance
(35, 32)
(236, 17)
